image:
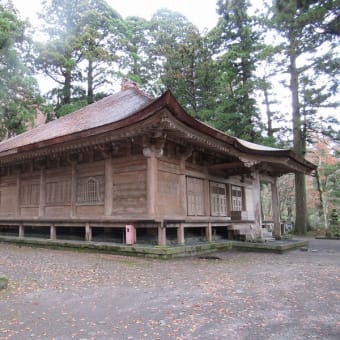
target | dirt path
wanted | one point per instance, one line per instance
(67, 295)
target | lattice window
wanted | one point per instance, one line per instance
(237, 200)
(218, 199)
(88, 191)
(195, 196)
(91, 191)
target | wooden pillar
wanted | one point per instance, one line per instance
(276, 209)
(257, 204)
(161, 235)
(73, 189)
(18, 183)
(152, 181)
(183, 193)
(183, 181)
(42, 196)
(206, 197)
(108, 187)
(88, 232)
(180, 234)
(230, 233)
(206, 193)
(53, 232)
(21, 231)
(208, 232)
(152, 151)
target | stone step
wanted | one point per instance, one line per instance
(268, 239)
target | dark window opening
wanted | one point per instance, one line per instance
(9, 230)
(194, 235)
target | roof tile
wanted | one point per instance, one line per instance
(108, 110)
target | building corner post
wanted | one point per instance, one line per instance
(276, 210)
(161, 234)
(257, 205)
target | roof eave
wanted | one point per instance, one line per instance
(140, 115)
(169, 102)
(181, 114)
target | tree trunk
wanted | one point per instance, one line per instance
(67, 88)
(301, 219)
(247, 107)
(322, 196)
(323, 202)
(270, 131)
(90, 97)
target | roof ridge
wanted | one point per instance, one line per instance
(140, 91)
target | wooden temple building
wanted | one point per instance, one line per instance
(129, 168)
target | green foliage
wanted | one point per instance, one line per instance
(304, 47)
(100, 37)
(19, 93)
(236, 42)
(80, 32)
(214, 75)
(334, 228)
(58, 57)
(68, 108)
(137, 62)
(11, 28)
(331, 175)
(181, 53)
(299, 23)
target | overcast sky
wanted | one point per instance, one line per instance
(201, 13)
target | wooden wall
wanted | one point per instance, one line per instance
(79, 190)
(196, 173)
(8, 196)
(88, 184)
(58, 189)
(85, 205)
(169, 193)
(129, 187)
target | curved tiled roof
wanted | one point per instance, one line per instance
(123, 109)
(108, 110)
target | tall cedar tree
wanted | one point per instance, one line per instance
(78, 31)
(100, 35)
(238, 44)
(303, 24)
(59, 56)
(169, 52)
(139, 62)
(19, 94)
(181, 56)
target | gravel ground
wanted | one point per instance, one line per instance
(56, 294)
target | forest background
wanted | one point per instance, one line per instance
(267, 74)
